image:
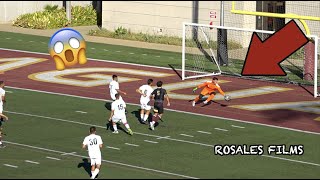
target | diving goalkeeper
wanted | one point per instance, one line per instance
(210, 88)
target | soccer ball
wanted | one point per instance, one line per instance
(227, 98)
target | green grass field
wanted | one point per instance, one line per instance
(45, 125)
(51, 122)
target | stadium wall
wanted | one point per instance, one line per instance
(10, 10)
(166, 17)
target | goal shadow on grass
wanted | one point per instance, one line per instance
(174, 69)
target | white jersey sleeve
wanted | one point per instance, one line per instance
(85, 141)
(100, 140)
(2, 94)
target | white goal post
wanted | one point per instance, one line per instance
(209, 50)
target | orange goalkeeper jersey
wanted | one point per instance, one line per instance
(210, 87)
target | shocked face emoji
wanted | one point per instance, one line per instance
(67, 47)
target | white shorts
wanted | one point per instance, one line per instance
(95, 161)
(144, 105)
(116, 119)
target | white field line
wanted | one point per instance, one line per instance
(48, 157)
(219, 129)
(32, 162)
(204, 115)
(172, 139)
(109, 147)
(83, 112)
(154, 142)
(204, 132)
(131, 144)
(68, 153)
(9, 165)
(113, 162)
(237, 126)
(186, 135)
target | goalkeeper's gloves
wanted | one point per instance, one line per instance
(194, 90)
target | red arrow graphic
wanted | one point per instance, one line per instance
(264, 58)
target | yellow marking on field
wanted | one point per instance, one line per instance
(98, 79)
(7, 64)
(303, 106)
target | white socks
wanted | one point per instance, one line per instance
(146, 117)
(115, 127)
(141, 116)
(127, 126)
(94, 173)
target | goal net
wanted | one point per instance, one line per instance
(198, 52)
(225, 50)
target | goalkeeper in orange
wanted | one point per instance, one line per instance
(210, 88)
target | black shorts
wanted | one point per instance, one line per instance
(1, 121)
(158, 107)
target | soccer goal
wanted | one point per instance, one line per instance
(198, 56)
(213, 50)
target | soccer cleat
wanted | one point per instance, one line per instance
(130, 132)
(115, 132)
(193, 103)
(2, 146)
(205, 102)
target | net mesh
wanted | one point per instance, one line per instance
(299, 66)
(200, 51)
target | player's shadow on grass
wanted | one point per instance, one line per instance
(108, 105)
(110, 126)
(209, 103)
(86, 166)
(137, 115)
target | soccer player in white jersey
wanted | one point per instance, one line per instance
(118, 114)
(2, 116)
(145, 91)
(115, 88)
(93, 142)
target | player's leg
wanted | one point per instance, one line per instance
(126, 124)
(212, 94)
(1, 145)
(197, 99)
(161, 110)
(201, 95)
(142, 112)
(146, 116)
(97, 168)
(93, 166)
(114, 125)
(158, 108)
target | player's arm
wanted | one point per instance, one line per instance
(84, 143)
(112, 113)
(140, 92)
(167, 97)
(122, 92)
(3, 97)
(152, 94)
(221, 92)
(199, 86)
(84, 146)
(2, 115)
(100, 143)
